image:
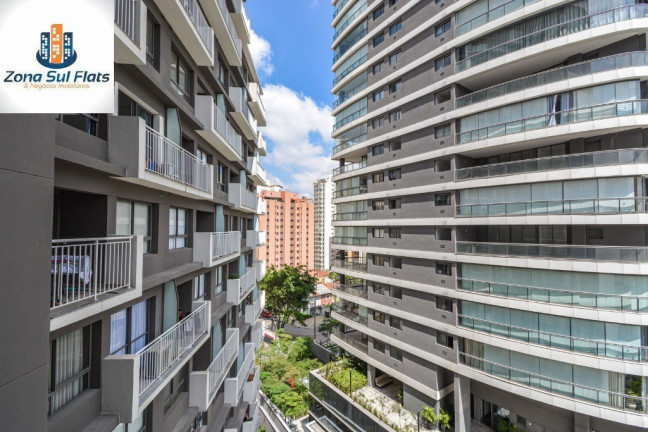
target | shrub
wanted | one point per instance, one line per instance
(444, 419)
(429, 415)
(340, 379)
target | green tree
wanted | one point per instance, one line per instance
(328, 325)
(334, 276)
(287, 290)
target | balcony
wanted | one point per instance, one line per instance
(154, 161)
(261, 206)
(251, 387)
(355, 241)
(93, 275)
(254, 238)
(257, 334)
(261, 143)
(258, 174)
(190, 24)
(559, 118)
(580, 206)
(359, 291)
(241, 113)
(256, 104)
(242, 198)
(204, 385)
(349, 216)
(234, 386)
(238, 289)
(572, 161)
(355, 264)
(216, 247)
(252, 424)
(260, 269)
(130, 32)
(350, 191)
(241, 22)
(352, 339)
(253, 311)
(217, 129)
(132, 381)
(557, 251)
(350, 167)
(218, 14)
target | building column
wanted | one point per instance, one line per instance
(461, 403)
(371, 374)
(581, 422)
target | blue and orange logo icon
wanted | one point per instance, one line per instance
(56, 49)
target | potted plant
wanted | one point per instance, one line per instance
(429, 416)
(234, 276)
(444, 419)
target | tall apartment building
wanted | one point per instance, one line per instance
(288, 223)
(323, 201)
(123, 234)
(492, 174)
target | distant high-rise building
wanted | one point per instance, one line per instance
(322, 199)
(289, 226)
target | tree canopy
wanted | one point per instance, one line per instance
(287, 290)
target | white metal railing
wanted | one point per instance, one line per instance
(225, 243)
(253, 311)
(127, 18)
(85, 268)
(161, 354)
(244, 372)
(225, 129)
(260, 268)
(199, 21)
(261, 142)
(166, 158)
(230, 26)
(251, 119)
(257, 334)
(222, 362)
(241, 197)
(262, 237)
(252, 425)
(246, 283)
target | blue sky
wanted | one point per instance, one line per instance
(291, 44)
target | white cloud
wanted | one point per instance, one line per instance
(261, 53)
(300, 133)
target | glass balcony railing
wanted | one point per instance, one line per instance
(356, 264)
(580, 206)
(355, 190)
(349, 143)
(574, 391)
(340, 7)
(581, 160)
(348, 44)
(615, 62)
(346, 95)
(348, 216)
(585, 299)
(353, 342)
(612, 16)
(556, 251)
(492, 14)
(354, 290)
(349, 20)
(559, 341)
(355, 241)
(353, 66)
(350, 167)
(348, 119)
(352, 313)
(559, 118)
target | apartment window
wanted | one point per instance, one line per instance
(378, 177)
(379, 317)
(178, 229)
(173, 390)
(444, 304)
(379, 346)
(129, 329)
(138, 425)
(134, 219)
(395, 353)
(393, 29)
(377, 205)
(180, 77)
(222, 73)
(395, 322)
(219, 279)
(377, 150)
(394, 145)
(594, 233)
(70, 367)
(152, 41)
(394, 204)
(378, 260)
(442, 199)
(395, 116)
(394, 233)
(395, 174)
(221, 176)
(199, 287)
(88, 123)
(378, 232)
(395, 58)
(442, 28)
(442, 131)
(376, 123)
(128, 107)
(379, 11)
(395, 292)
(393, 2)
(442, 62)
(444, 340)
(442, 96)
(395, 262)
(443, 269)
(395, 86)
(378, 39)
(378, 95)
(379, 288)
(377, 68)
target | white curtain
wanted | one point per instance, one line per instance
(139, 324)
(68, 361)
(118, 328)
